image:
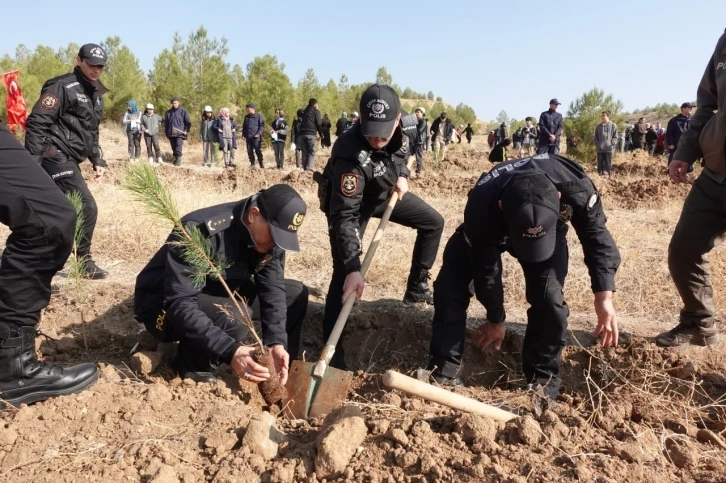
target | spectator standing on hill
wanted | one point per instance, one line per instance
(421, 138)
(606, 138)
(442, 129)
(517, 139)
(279, 136)
(639, 132)
(469, 132)
(659, 129)
(550, 129)
(353, 119)
(325, 126)
(702, 225)
(660, 143)
(252, 129)
(226, 130)
(150, 123)
(676, 127)
(62, 132)
(499, 152)
(132, 126)
(208, 136)
(341, 124)
(502, 132)
(529, 137)
(459, 132)
(651, 138)
(311, 129)
(177, 124)
(297, 140)
(491, 139)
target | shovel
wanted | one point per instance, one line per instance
(313, 388)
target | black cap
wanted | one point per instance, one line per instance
(174, 99)
(379, 108)
(93, 54)
(555, 101)
(686, 104)
(531, 209)
(284, 210)
(251, 105)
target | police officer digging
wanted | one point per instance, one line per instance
(368, 162)
(252, 236)
(523, 207)
(42, 223)
(62, 131)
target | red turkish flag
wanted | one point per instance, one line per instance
(17, 110)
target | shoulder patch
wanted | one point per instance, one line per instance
(48, 102)
(592, 200)
(349, 184)
(218, 224)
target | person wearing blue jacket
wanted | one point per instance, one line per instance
(677, 126)
(177, 124)
(550, 129)
(252, 128)
(132, 126)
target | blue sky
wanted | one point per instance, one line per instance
(643, 52)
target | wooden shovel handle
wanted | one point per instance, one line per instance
(412, 386)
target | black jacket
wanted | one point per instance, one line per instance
(280, 125)
(486, 230)
(422, 131)
(550, 122)
(448, 128)
(164, 284)
(498, 153)
(296, 132)
(66, 119)
(676, 126)
(341, 125)
(651, 137)
(310, 123)
(359, 179)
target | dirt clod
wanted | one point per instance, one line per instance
(165, 474)
(392, 398)
(681, 454)
(145, 363)
(397, 435)
(339, 441)
(528, 430)
(158, 395)
(262, 436)
(474, 429)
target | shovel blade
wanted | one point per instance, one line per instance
(310, 397)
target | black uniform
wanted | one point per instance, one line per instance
(62, 131)
(173, 309)
(359, 182)
(474, 253)
(42, 222)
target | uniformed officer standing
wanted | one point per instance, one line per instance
(702, 225)
(252, 236)
(62, 131)
(368, 161)
(523, 207)
(42, 223)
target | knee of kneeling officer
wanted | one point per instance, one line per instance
(297, 293)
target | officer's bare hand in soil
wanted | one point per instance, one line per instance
(353, 283)
(678, 170)
(490, 333)
(607, 320)
(282, 362)
(246, 367)
(401, 187)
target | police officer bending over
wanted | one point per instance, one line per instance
(368, 161)
(523, 207)
(252, 236)
(62, 131)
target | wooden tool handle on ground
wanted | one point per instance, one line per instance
(412, 386)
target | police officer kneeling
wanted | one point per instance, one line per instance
(368, 162)
(252, 236)
(523, 207)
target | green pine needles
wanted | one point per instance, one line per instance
(147, 189)
(76, 263)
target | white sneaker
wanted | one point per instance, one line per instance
(151, 160)
(158, 160)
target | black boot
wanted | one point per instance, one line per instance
(24, 380)
(177, 160)
(189, 367)
(93, 271)
(417, 290)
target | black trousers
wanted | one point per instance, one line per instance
(419, 152)
(42, 222)
(279, 148)
(152, 141)
(548, 149)
(604, 163)
(411, 212)
(67, 176)
(546, 332)
(297, 306)
(254, 146)
(134, 144)
(177, 146)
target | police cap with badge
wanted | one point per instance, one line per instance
(283, 208)
(93, 54)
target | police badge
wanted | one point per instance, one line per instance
(349, 184)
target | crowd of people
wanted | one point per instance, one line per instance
(523, 207)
